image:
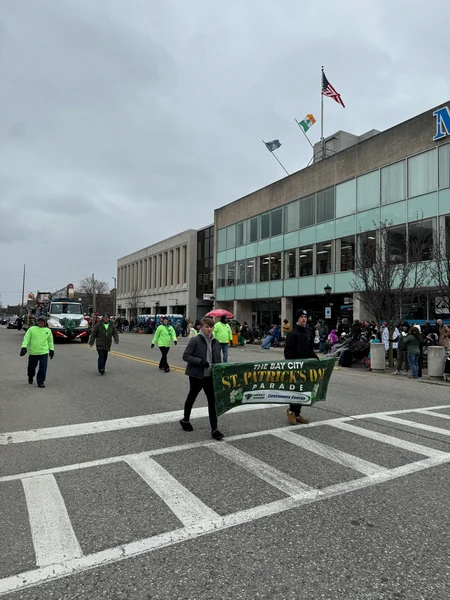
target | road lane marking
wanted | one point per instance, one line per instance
(282, 481)
(145, 546)
(182, 502)
(147, 361)
(156, 452)
(54, 539)
(77, 429)
(343, 423)
(337, 456)
(388, 439)
(414, 424)
(63, 431)
(431, 413)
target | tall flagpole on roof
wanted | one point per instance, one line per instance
(275, 157)
(322, 139)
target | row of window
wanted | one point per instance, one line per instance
(331, 256)
(161, 270)
(408, 178)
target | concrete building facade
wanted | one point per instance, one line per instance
(279, 247)
(159, 279)
(174, 276)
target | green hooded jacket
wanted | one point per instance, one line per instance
(40, 340)
(222, 332)
(164, 336)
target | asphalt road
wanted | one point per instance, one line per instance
(102, 495)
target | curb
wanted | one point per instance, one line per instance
(400, 377)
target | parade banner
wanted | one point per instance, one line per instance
(297, 381)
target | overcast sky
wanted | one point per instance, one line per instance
(123, 122)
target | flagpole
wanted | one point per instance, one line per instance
(322, 139)
(276, 158)
(303, 131)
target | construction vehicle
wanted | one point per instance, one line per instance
(65, 316)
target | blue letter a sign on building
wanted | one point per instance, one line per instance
(442, 117)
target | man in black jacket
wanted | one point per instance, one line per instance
(201, 353)
(299, 344)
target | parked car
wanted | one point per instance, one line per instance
(13, 323)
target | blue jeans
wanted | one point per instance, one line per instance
(413, 360)
(33, 361)
(267, 342)
(102, 358)
(224, 352)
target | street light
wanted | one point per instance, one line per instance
(327, 290)
(115, 294)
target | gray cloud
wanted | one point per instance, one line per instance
(119, 128)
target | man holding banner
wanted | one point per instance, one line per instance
(293, 380)
(299, 344)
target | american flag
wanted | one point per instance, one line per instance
(329, 91)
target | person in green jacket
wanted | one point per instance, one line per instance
(103, 333)
(40, 340)
(164, 336)
(223, 334)
(412, 344)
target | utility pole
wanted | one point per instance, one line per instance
(93, 296)
(23, 292)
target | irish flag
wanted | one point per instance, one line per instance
(307, 122)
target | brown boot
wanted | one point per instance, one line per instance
(291, 417)
(302, 420)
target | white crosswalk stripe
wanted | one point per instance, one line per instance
(187, 507)
(58, 552)
(281, 481)
(342, 458)
(54, 539)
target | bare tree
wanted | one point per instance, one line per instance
(440, 272)
(390, 271)
(135, 302)
(88, 285)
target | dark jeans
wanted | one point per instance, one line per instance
(224, 352)
(163, 364)
(102, 358)
(33, 361)
(414, 364)
(196, 385)
(296, 409)
(402, 360)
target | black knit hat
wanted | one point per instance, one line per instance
(301, 313)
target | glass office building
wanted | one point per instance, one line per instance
(279, 247)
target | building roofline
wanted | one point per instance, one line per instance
(337, 155)
(176, 235)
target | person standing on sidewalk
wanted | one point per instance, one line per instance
(223, 334)
(299, 344)
(164, 336)
(201, 353)
(412, 343)
(103, 333)
(402, 353)
(40, 339)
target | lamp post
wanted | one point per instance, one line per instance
(115, 294)
(327, 289)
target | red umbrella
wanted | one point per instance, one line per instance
(220, 312)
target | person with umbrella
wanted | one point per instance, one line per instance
(223, 334)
